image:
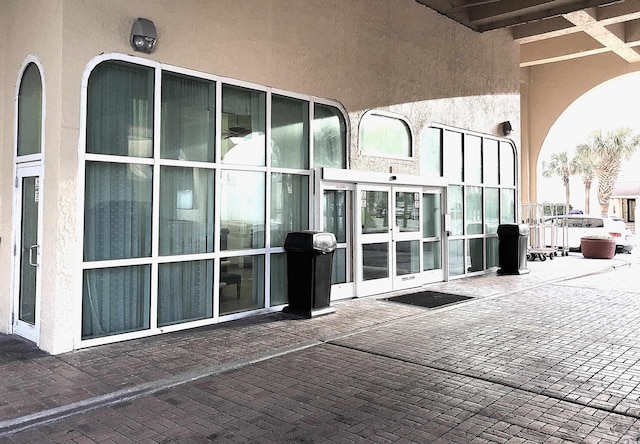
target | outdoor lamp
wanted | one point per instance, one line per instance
(506, 128)
(143, 35)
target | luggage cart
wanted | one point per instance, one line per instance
(542, 230)
(560, 230)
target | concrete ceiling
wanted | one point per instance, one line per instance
(553, 30)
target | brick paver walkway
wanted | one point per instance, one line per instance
(532, 358)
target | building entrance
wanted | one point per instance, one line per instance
(26, 319)
(390, 236)
(399, 241)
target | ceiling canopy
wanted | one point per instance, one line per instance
(553, 30)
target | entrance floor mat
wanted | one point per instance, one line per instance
(428, 299)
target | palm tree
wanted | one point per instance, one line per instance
(610, 150)
(584, 164)
(561, 167)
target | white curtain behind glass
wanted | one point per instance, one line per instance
(188, 119)
(118, 198)
(243, 126)
(289, 133)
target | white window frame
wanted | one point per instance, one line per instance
(389, 115)
(157, 162)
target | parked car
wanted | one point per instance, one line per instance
(579, 225)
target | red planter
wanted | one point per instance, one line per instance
(598, 248)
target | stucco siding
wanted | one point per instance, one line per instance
(31, 28)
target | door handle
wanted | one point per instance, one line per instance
(31, 249)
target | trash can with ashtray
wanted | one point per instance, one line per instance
(309, 264)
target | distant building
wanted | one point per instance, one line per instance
(623, 201)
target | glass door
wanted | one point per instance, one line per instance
(432, 236)
(26, 317)
(337, 202)
(406, 237)
(389, 245)
(374, 244)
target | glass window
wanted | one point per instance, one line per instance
(431, 212)
(186, 210)
(456, 210)
(507, 165)
(490, 162)
(120, 110)
(384, 136)
(117, 211)
(289, 133)
(375, 261)
(329, 137)
(508, 198)
(492, 209)
(188, 118)
(431, 153)
(492, 252)
(407, 211)
(574, 222)
(242, 209)
(456, 257)
(375, 217)
(185, 292)
(593, 222)
(115, 300)
(474, 210)
(339, 266)
(335, 221)
(243, 126)
(335, 214)
(472, 159)
(279, 284)
(126, 216)
(407, 257)
(431, 256)
(481, 195)
(241, 284)
(30, 112)
(476, 255)
(289, 205)
(452, 152)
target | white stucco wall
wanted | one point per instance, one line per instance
(30, 28)
(393, 55)
(5, 185)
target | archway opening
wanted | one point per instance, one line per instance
(608, 106)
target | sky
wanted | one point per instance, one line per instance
(608, 106)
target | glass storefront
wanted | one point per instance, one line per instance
(481, 193)
(185, 218)
(187, 202)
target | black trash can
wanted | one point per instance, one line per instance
(513, 240)
(309, 265)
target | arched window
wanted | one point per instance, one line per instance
(383, 134)
(30, 112)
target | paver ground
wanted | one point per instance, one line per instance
(554, 361)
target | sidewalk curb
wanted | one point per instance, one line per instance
(15, 425)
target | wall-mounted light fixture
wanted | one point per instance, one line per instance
(143, 35)
(506, 128)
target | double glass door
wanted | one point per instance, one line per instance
(27, 242)
(400, 241)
